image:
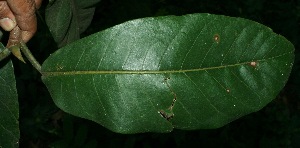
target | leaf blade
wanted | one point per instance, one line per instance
(9, 107)
(67, 19)
(58, 16)
(181, 65)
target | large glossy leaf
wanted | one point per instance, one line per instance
(9, 106)
(189, 72)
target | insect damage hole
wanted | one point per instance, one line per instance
(168, 113)
(174, 94)
(216, 38)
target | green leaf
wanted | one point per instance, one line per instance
(197, 71)
(58, 18)
(9, 107)
(67, 19)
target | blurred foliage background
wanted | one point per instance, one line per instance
(42, 124)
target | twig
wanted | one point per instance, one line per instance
(30, 57)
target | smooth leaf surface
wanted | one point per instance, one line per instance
(196, 71)
(67, 19)
(9, 107)
(58, 18)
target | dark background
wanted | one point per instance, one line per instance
(42, 124)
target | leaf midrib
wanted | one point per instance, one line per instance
(53, 73)
(81, 72)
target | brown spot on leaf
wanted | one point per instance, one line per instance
(253, 64)
(217, 38)
(59, 67)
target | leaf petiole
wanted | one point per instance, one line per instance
(16, 49)
(30, 57)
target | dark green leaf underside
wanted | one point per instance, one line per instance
(67, 19)
(9, 107)
(155, 74)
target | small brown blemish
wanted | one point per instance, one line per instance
(173, 102)
(59, 67)
(253, 64)
(217, 38)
